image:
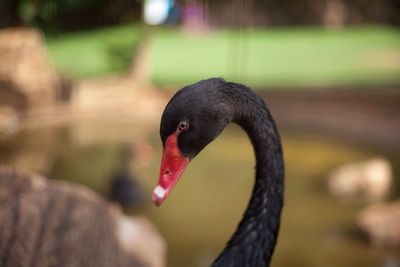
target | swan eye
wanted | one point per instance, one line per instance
(183, 126)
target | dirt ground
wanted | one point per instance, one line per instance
(367, 116)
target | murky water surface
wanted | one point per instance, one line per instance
(207, 204)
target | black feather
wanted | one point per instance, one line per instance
(209, 106)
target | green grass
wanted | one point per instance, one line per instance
(263, 57)
(94, 53)
(279, 57)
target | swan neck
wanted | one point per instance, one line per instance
(255, 238)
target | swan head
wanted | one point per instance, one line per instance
(192, 119)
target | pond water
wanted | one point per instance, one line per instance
(207, 204)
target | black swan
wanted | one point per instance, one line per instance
(124, 187)
(193, 118)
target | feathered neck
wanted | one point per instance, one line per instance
(254, 240)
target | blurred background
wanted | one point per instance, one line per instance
(83, 84)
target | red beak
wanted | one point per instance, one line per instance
(173, 163)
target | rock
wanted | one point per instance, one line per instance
(9, 120)
(369, 180)
(381, 224)
(27, 77)
(139, 237)
(53, 223)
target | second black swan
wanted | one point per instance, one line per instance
(193, 118)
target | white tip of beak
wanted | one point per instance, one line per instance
(159, 191)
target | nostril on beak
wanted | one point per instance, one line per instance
(167, 172)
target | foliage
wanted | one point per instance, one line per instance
(66, 15)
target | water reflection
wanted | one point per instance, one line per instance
(207, 204)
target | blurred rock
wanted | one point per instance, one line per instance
(53, 223)
(391, 262)
(369, 180)
(381, 224)
(27, 77)
(9, 120)
(113, 108)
